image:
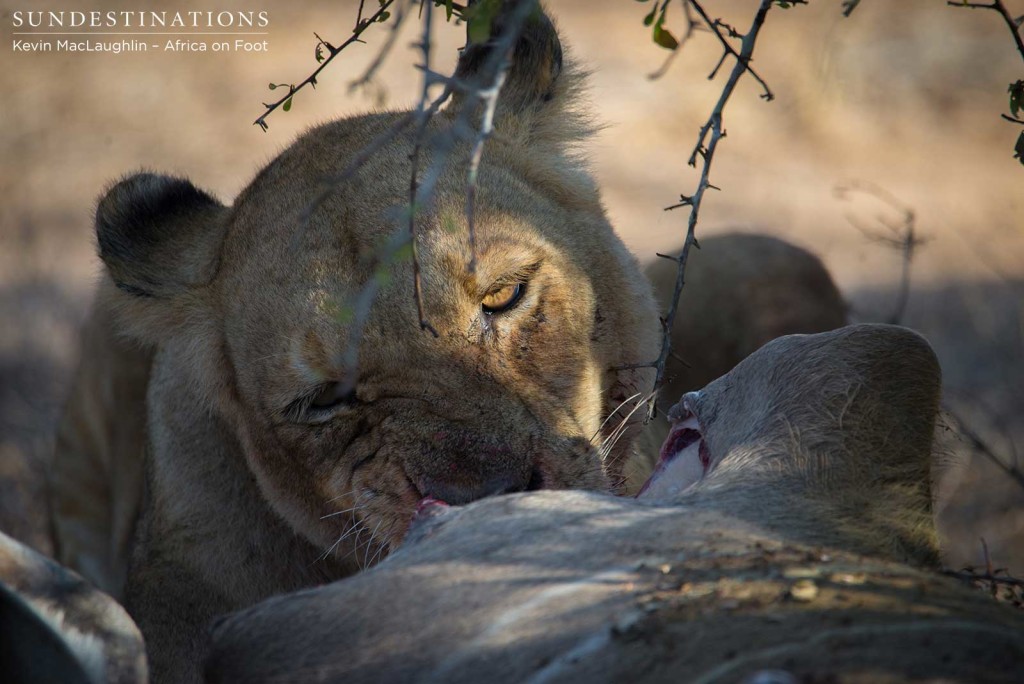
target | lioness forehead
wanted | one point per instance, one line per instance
(309, 236)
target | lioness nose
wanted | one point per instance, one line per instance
(458, 492)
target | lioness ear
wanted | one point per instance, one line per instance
(159, 236)
(540, 84)
(536, 58)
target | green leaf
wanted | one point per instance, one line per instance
(345, 314)
(479, 19)
(319, 54)
(1016, 91)
(448, 9)
(384, 16)
(1019, 148)
(448, 224)
(402, 253)
(272, 86)
(287, 104)
(664, 38)
(649, 19)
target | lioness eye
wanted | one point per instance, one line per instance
(503, 299)
(330, 396)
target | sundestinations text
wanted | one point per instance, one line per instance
(139, 19)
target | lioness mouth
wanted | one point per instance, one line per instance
(683, 461)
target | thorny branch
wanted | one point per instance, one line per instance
(712, 127)
(1016, 88)
(490, 98)
(992, 580)
(424, 113)
(742, 57)
(332, 52)
(483, 92)
(998, 6)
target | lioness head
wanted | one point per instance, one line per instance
(252, 308)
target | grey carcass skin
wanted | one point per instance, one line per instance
(804, 554)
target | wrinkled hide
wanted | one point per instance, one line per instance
(803, 547)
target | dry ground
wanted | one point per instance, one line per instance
(905, 95)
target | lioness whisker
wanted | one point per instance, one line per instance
(347, 510)
(612, 413)
(383, 547)
(613, 438)
(357, 546)
(342, 496)
(356, 529)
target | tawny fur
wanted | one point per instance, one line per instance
(244, 309)
(97, 470)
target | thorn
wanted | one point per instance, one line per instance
(680, 359)
(667, 256)
(695, 243)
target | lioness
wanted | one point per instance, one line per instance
(265, 473)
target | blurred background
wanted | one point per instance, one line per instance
(905, 96)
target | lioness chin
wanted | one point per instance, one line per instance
(267, 470)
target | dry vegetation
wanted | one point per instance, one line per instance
(906, 95)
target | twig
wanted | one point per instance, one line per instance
(991, 579)
(424, 114)
(332, 52)
(1016, 88)
(742, 57)
(382, 54)
(691, 28)
(997, 6)
(490, 98)
(491, 76)
(712, 126)
(901, 236)
(982, 447)
(364, 303)
(849, 6)
(972, 575)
